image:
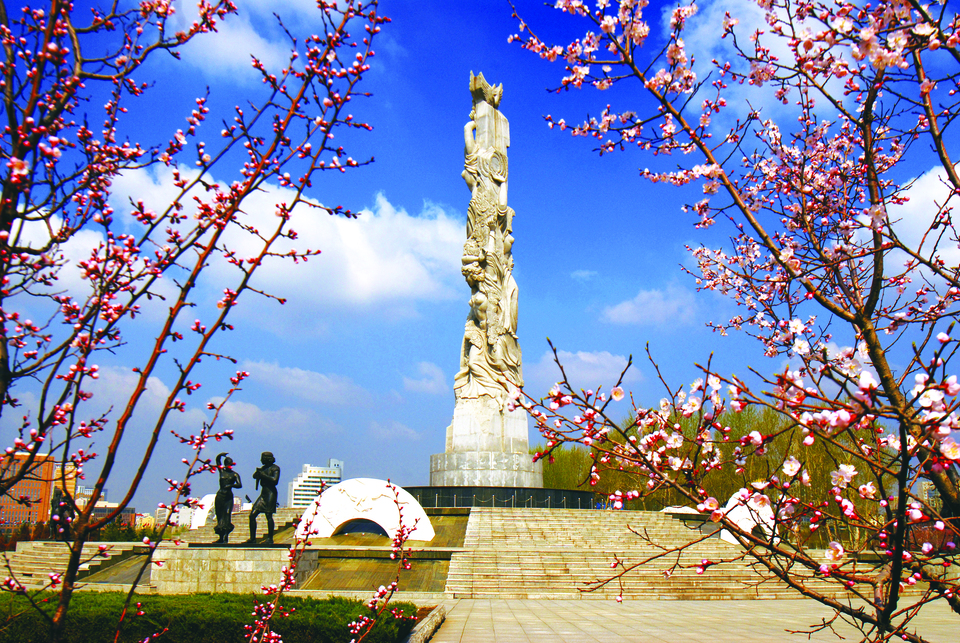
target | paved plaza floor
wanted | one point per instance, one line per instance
(588, 621)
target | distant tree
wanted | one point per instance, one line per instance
(567, 467)
(851, 115)
(40, 531)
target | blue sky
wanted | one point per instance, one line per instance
(358, 365)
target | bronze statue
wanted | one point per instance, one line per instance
(223, 504)
(267, 477)
(61, 515)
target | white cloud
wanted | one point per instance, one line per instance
(113, 388)
(911, 220)
(583, 276)
(309, 386)
(303, 9)
(432, 382)
(703, 30)
(672, 306)
(385, 260)
(226, 53)
(286, 421)
(393, 431)
(584, 369)
(387, 254)
(702, 39)
(255, 31)
(114, 385)
(37, 234)
(69, 277)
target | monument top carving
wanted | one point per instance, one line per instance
(487, 442)
(490, 360)
(481, 89)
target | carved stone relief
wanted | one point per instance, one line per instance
(490, 359)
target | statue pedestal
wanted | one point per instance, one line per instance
(486, 447)
(485, 469)
(191, 568)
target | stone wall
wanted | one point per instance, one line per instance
(238, 570)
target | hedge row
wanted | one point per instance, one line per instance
(197, 618)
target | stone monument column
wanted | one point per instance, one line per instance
(487, 443)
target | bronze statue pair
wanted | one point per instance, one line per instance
(266, 478)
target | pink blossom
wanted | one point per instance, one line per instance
(848, 509)
(728, 22)
(679, 16)
(951, 386)
(950, 449)
(791, 466)
(18, 167)
(834, 551)
(877, 215)
(915, 512)
(710, 504)
(842, 477)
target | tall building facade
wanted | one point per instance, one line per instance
(927, 491)
(304, 488)
(37, 486)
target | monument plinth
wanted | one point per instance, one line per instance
(487, 442)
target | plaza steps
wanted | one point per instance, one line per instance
(283, 519)
(556, 553)
(33, 562)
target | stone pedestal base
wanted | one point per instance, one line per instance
(480, 425)
(485, 469)
(486, 447)
(238, 570)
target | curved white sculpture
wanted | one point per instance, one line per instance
(198, 518)
(364, 499)
(747, 510)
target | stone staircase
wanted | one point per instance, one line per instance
(556, 553)
(283, 520)
(33, 562)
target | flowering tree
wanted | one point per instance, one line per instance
(849, 103)
(267, 610)
(62, 157)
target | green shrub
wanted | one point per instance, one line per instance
(197, 618)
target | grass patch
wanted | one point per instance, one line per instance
(197, 618)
